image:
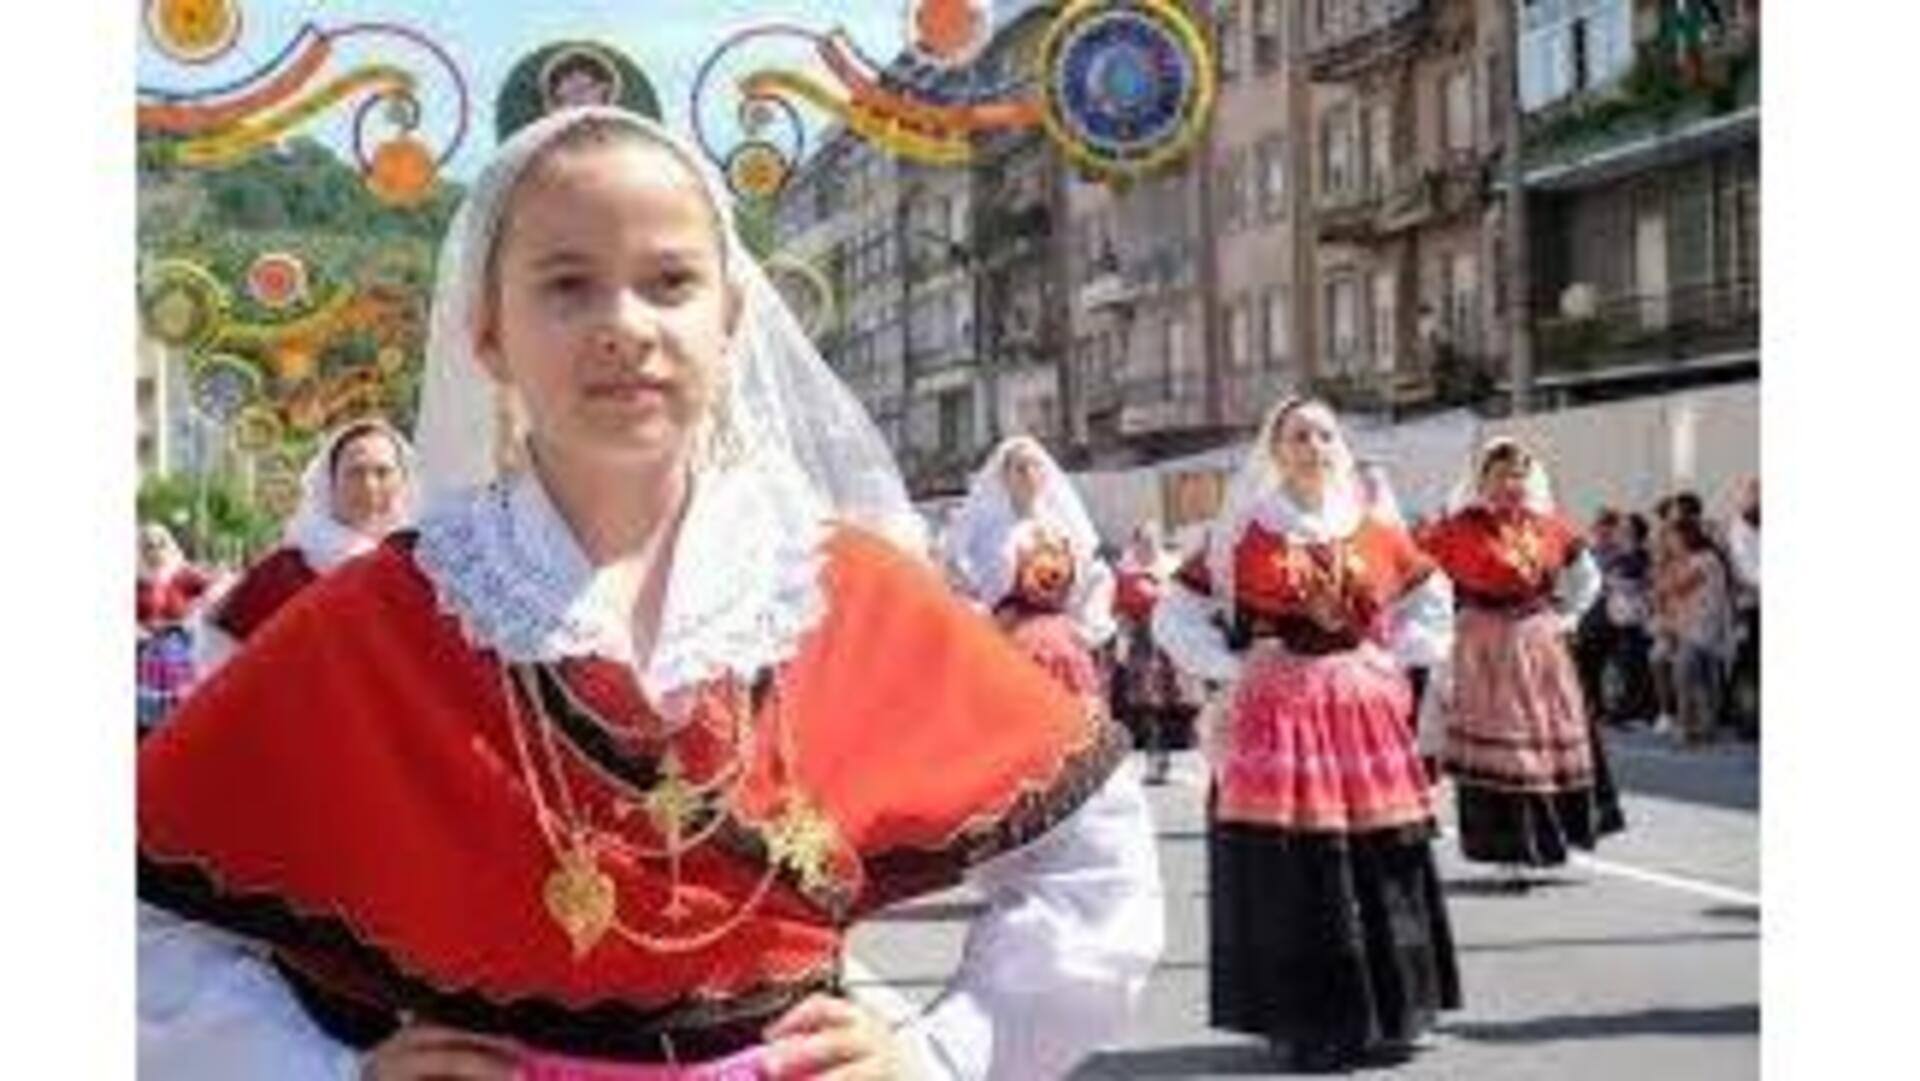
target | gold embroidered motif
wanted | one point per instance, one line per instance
(580, 898)
(803, 841)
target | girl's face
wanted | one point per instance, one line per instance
(155, 549)
(1306, 448)
(1504, 484)
(369, 485)
(1023, 477)
(610, 313)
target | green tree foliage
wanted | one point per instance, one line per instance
(211, 516)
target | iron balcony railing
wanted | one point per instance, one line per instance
(1675, 326)
(1355, 36)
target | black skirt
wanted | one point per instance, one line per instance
(1327, 940)
(1535, 829)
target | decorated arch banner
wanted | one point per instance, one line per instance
(1124, 87)
(219, 125)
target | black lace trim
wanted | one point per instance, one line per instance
(687, 1030)
(896, 874)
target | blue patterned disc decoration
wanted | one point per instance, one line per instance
(1128, 84)
(221, 387)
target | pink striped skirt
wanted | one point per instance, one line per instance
(749, 1065)
(1519, 723)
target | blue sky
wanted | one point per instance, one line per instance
(667, 38)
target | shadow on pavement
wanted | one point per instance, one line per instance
(1601, 942)
(1211, 1060)
(1747, 913)
(1496, 885)
(1708, 1021)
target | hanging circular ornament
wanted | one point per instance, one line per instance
(402, 172)
(193, 31)
(182, 304)
(949, 33)
(757, 170)
(256, 428)
(220, 386)
(806, 291)
(1128, 84)
(278, 490)
(277, 280)
(566, 73)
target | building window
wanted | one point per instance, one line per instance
(1336, 139)
(1463, 299)
(1569, 48)
(1385, 322)
(1267, 30)
(1379, 176)
(1239, 323)
(1273, 177)
(956, 421)
(1226, 42)
(1176, 349)
(1458, 95)
(1274, 331)
(1343, 320)
(1233, 190)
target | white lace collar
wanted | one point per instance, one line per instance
(325, 543)
(743, 589)
(1338, 516)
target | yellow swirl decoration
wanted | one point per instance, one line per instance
(318, 323)
(882, 129)
(231, 144)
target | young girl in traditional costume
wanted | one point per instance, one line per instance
(1520, 747)
(1149, 692)
(589, 776)
(1024, 549)
(1329, 934)
(167, 591)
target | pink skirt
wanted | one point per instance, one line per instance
(1518, 721)
(748, 1065)
(1321, 744)
(1054, 644)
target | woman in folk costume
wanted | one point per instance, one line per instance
(621, 743)
(357, 489)
(1025, 549)
(1149, 695)
(167, 589)
(1329, 933)
(1519, 745)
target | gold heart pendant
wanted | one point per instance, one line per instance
(580, 898)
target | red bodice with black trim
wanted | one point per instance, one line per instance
(264, 589)
(359, 788)
(1339, 588)
(1510, 557)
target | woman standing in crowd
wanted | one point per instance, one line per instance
(357, 489)
(1025, 550)
(1148, 692)
(624, 741)
(1520, 747)
(166, 591)
(1329, 934)
(1696, 592)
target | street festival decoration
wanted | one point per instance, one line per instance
(317, 364)
(1124, 87)
(215, 126)
(806, 291)
(566, 73)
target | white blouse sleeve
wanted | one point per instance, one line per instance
(1578, 585)
(211, 1010)
(1093, 602)
(1183, 626)
(1055, 967)
(1421, 634)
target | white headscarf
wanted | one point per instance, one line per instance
(782, 407)
(977, 540)
(1466, 491)
(324, 540)
(1258, 494)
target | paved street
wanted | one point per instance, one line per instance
(1642, 963)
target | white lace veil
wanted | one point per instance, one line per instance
(782, 406)
(1258, 487)
(1466, 491)
(976, 541)
(313, 528)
